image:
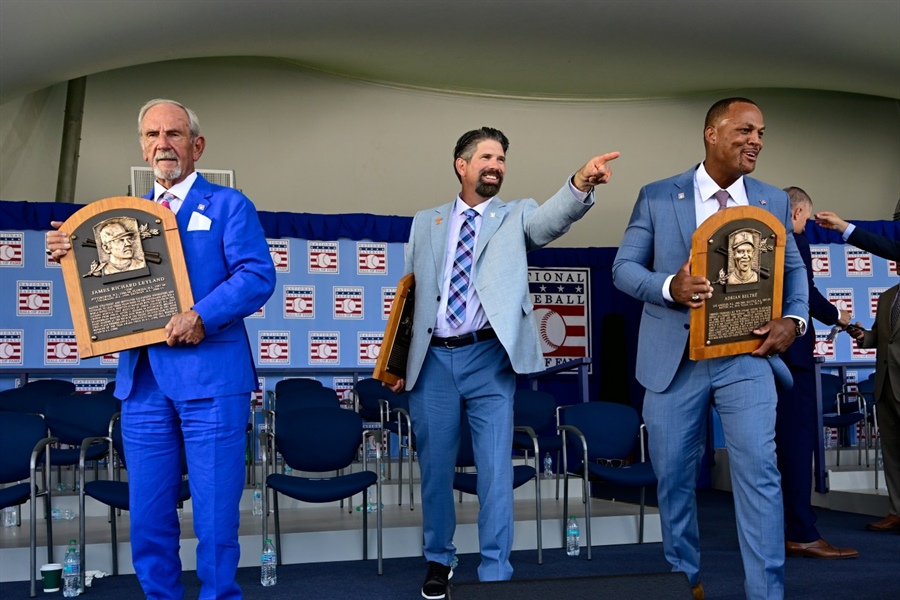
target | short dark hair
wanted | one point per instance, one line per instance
(466, 144)
(718, 110)
(797, 196)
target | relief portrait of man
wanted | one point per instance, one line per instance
(743, 258)
(118, 246)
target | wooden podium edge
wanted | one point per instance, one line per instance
(380, 371)
(88, 348)
(697, 348)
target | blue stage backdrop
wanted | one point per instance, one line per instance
(336, 279)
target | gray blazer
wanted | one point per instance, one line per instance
(882, 337)
(508, 231)
(657, 242)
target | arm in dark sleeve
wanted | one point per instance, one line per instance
(819, 307)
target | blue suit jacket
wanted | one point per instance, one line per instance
(507, 233)
(656, 244)
(232, 275)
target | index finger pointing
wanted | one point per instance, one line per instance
(605, 158)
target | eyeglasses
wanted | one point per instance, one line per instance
(611, 462)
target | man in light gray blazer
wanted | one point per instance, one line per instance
(473, 331)
(653, 265)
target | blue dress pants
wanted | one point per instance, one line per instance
(480, 380)
(742, 389)
(212, 430)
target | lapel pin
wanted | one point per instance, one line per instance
(438, 220)
(201, 207)
(681, 196)
(763, 202)
(493, 215)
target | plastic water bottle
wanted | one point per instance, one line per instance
(73, 547)
(827, 438)
(10, 516)
(573, 537)
(71, 574)
(548, 466)
(268, 576)
(257, 501)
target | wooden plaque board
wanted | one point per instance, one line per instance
(391, 364)
(125, 275)
(741, 252)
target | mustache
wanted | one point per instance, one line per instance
(165, 155)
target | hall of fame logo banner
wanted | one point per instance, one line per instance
(12, 249)
(369, 346)
(874, 295)
(821, 261)
(348, 302)
(259, 314)
(857, 353)
(841, 298)
(371, 258)
(60, 347)
(343, 387)
(274, 347)
(824, 346)
(324, 347)
(34, 298)
(858, 262)
(257, 396)
(280, 251)
(561, 299)
(387, 300)
(323, 257)
(299, 302)
(110, 359)
(11, 346)
(89, 386)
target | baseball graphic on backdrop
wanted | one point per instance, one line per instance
(551, 329)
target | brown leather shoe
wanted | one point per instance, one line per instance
(698, 592)
(818, 549)
(889, 523)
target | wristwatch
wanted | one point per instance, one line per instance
(800, 326)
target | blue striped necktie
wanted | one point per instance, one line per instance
(462, 267)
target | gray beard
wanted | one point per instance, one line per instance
(170, 176)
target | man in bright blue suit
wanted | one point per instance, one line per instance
(470, 254)
(194, 390)
(653, 264)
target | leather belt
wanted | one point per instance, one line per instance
(458, 341)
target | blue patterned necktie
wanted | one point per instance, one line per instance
(167, 198)
(459, 274)
(895, 310)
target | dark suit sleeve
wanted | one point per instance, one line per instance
(819, 306)
(874, 243)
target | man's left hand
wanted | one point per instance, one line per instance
(185, 329)
(595, 172)
(779, 335)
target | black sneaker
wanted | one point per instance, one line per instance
(435, 586)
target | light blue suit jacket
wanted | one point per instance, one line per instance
(232, 275)
(508, 231)
(656, 244)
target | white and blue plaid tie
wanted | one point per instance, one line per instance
(459, 275)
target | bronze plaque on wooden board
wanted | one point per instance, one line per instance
(125, 274)
(391, 363)
(740, 250)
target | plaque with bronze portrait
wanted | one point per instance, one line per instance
(740, 250)
(125, 274)
(391, 363)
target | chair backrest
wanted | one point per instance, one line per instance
(369, 392)
(321, 397)
(19, 434)
(318, 439)
(296, 384)
(73, 418)
(55, 387)
(832, 386)
(535, 409)
(32, 397)
(611, 429)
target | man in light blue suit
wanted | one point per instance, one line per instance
(194, 390)
(653, 265)
(473, 331)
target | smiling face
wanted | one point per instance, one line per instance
(167, 144)
(482, 175)
(743, 257)
(733, 143)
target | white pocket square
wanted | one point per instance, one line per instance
(199, 222)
